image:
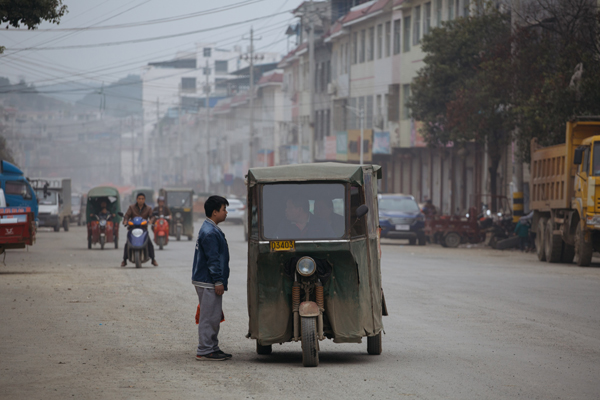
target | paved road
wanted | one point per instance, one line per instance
(464, 324)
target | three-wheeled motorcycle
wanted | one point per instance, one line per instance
(103, 230)
(313, 257)
(179, 201)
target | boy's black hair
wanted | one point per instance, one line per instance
(141, 194)
(214, 203)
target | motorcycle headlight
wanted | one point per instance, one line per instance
(137, 232)
(177, 215)
(102, 222)
(306, 266)
(161, 222)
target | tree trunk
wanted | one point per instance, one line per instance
(495, 161)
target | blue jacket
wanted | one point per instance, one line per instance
(211, 258)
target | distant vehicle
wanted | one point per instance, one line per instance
(54, 197)
(236, 211)
(401, 218)
(76, 207)
(17, 227)
(17, 189)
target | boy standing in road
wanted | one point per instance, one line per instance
(210, 272)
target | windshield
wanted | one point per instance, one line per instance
(178, 199)
(50, 199)
(400, 204)
(596, 165)
(304, 211)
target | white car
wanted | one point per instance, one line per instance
(236, 211)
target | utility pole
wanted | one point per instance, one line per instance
(132, 130)
(251, 57)
(207, 145)
(311, 83)
(158, 155)
(518, 200)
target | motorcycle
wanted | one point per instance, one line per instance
(137, 241)
(161, 231)
(102, 231)
(178, 225)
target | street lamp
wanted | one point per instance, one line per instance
(360, 114)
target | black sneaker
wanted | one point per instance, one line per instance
(212, 357)
(225, 354)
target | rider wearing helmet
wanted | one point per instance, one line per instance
(161, 208)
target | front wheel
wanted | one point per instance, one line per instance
(310, 346)
(540, 239)
(137, 258)
(102, 242)
(263, 350)
(374, 347)
(161, 243)
(583, 250)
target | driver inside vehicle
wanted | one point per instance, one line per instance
(324, 211)
(104, 213)
(299, 223)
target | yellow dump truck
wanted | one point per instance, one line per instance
(565, 194)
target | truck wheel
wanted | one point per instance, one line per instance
(452, 240)
(568, 253)
(57, 228)
(554, 243)
(263, 350)
(583, 250)
(66, 224)
(374, 345)
(540, 239)
(310, 347)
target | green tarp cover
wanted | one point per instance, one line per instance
(95, 197)
(310, 172)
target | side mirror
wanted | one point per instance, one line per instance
(361, 211)
(578, 157)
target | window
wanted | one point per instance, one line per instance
(397, 36)
(450, 10)
(16, 188)
(371, 48)
(466, 6)
(206, 52)
(356, 200)
(417, 26)
(321, 204)
(355, 48)
(188, 84)
(393, 103)
(363, 41)
(388, 33)
(438, 12)
(379, 41)
(221, 67)
(427, 20)
(406, 45)
(405, 98)
(596, 163)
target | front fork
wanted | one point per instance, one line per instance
(308, 309)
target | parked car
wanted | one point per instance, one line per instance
(401, 218)
(236, 211)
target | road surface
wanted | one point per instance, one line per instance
(467, 323)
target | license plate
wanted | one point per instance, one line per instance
(283, 245)
(403, 227)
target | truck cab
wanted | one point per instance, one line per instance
(54, 197)
(586, 195)
(17, 189)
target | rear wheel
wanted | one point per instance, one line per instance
(554, 243)
(263, 350)
(89, 242)
(116, 239)
(568, 253)
(452, 239)
(310, 347)
(374, 347)
(583, 250)
(137, 258)
(540, 239)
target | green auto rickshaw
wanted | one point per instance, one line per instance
(179, 201)
(313, 257)
(103, 228)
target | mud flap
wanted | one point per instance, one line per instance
(384, 310)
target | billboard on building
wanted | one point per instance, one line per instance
(354, 145)
(381, 143)
(331, 148)
(416, 139)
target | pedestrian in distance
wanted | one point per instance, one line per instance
(210, 273)
(522, 231)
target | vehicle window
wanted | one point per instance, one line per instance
(253, 228)
(356, 200)
(586, 161)
(178, 199)
(16, 188)
(303, 211)
(596, 164)
(50, 199)
(401, 204)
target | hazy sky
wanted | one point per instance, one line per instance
(25, 58)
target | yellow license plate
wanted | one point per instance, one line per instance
(283, 245)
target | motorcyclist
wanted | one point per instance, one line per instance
(161, 208)
(104, 213)
(139, 209)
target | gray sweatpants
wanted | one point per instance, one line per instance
(211, 308)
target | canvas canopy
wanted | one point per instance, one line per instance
(103, 193)
(352, 173)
